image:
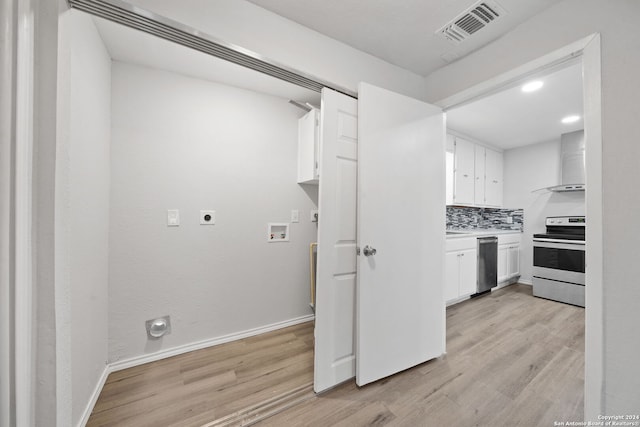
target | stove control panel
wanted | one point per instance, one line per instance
(575, 221)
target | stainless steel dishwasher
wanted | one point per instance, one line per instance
(487, 263)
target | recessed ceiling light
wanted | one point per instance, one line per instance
(532, 86)
(570, 119)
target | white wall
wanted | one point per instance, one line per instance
(531, 168)
(553, 28)
(82, 210)
(187, 144)
(286, 42)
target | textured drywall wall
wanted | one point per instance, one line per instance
(82, 210)
(187, 144)
(616, 21)
(527, 169)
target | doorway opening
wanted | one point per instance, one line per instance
(178, 173)
(587, 53)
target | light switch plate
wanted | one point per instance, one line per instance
(313, 217)
(173, 217)
(207, 217)
(295, 215)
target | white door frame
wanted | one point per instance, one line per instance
(18, 109)
(7, 177)
(23, 209)
(588, 51)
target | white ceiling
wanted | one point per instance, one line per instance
(505, 120)
(512, 118)
(401, 32)
(132, 46)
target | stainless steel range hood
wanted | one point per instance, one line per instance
(572, 168)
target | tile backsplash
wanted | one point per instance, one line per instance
(469, 218)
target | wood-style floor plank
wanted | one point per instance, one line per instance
(512, 360)
(197, 387)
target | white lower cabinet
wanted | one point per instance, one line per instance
(468, 272)
(461, 269)
(461, 264)
(508, 257)
(502, 262)
(451, 275)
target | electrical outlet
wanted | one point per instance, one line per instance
(207, 217)
(173, 217)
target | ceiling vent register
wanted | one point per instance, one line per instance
(471, 21)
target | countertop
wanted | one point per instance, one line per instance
(457, 234)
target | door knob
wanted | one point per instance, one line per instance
(368, 251)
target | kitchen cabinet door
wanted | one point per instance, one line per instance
(451, 275)
(493, 178)
(503, 264)
(308, 147)
(508, 261)
(513, 260)
(449, 168)
(479, 176)
(463, 193)
(468, 272)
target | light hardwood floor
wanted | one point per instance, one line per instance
(512, 360)
(195, 388)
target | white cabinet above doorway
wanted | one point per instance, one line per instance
(474, 174)
(308, 147)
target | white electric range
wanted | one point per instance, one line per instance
(559, 260)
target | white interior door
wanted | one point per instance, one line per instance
(401, 213)
(336, 277)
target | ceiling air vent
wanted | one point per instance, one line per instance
(471, 21)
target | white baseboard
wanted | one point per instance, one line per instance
(163, 354)
(94, 396)
(135, 361)
(525, 282)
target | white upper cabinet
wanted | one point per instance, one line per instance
(493, 178)
(474, 174)
(479, 176)
(463, 176)
(308, 147)
(450, 167)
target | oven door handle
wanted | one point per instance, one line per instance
(575, 245)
